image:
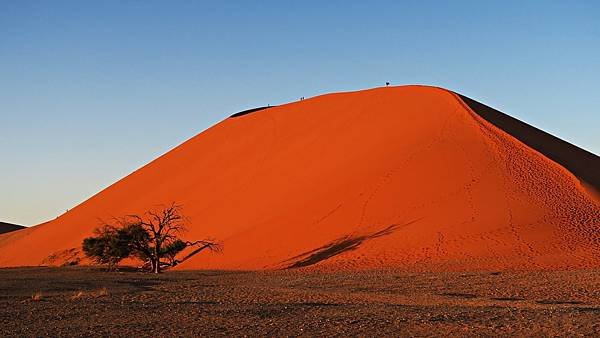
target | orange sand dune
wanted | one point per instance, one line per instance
(396, 177)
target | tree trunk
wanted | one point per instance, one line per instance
(156, 257)
(154, 265)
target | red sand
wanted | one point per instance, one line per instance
(396, 177)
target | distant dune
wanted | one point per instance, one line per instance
(411, 177)
(8, 227)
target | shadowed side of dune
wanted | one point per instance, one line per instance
(249, 111)
(8, 227)
(583, 164)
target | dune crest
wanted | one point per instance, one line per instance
(409, 177)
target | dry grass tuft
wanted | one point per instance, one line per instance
(77, 295)
(37, 296)
(102, 292)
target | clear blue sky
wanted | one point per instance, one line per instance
(90, 91)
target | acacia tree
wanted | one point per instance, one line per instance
(154, 237)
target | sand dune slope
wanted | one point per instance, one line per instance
(397, 177)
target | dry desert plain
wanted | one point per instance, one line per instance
(79, 301)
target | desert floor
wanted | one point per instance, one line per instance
(79, 301)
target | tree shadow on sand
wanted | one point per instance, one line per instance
(344, 244)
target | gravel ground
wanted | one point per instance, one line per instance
(80, 301)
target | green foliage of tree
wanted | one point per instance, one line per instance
(109, 246)
(152, 238)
